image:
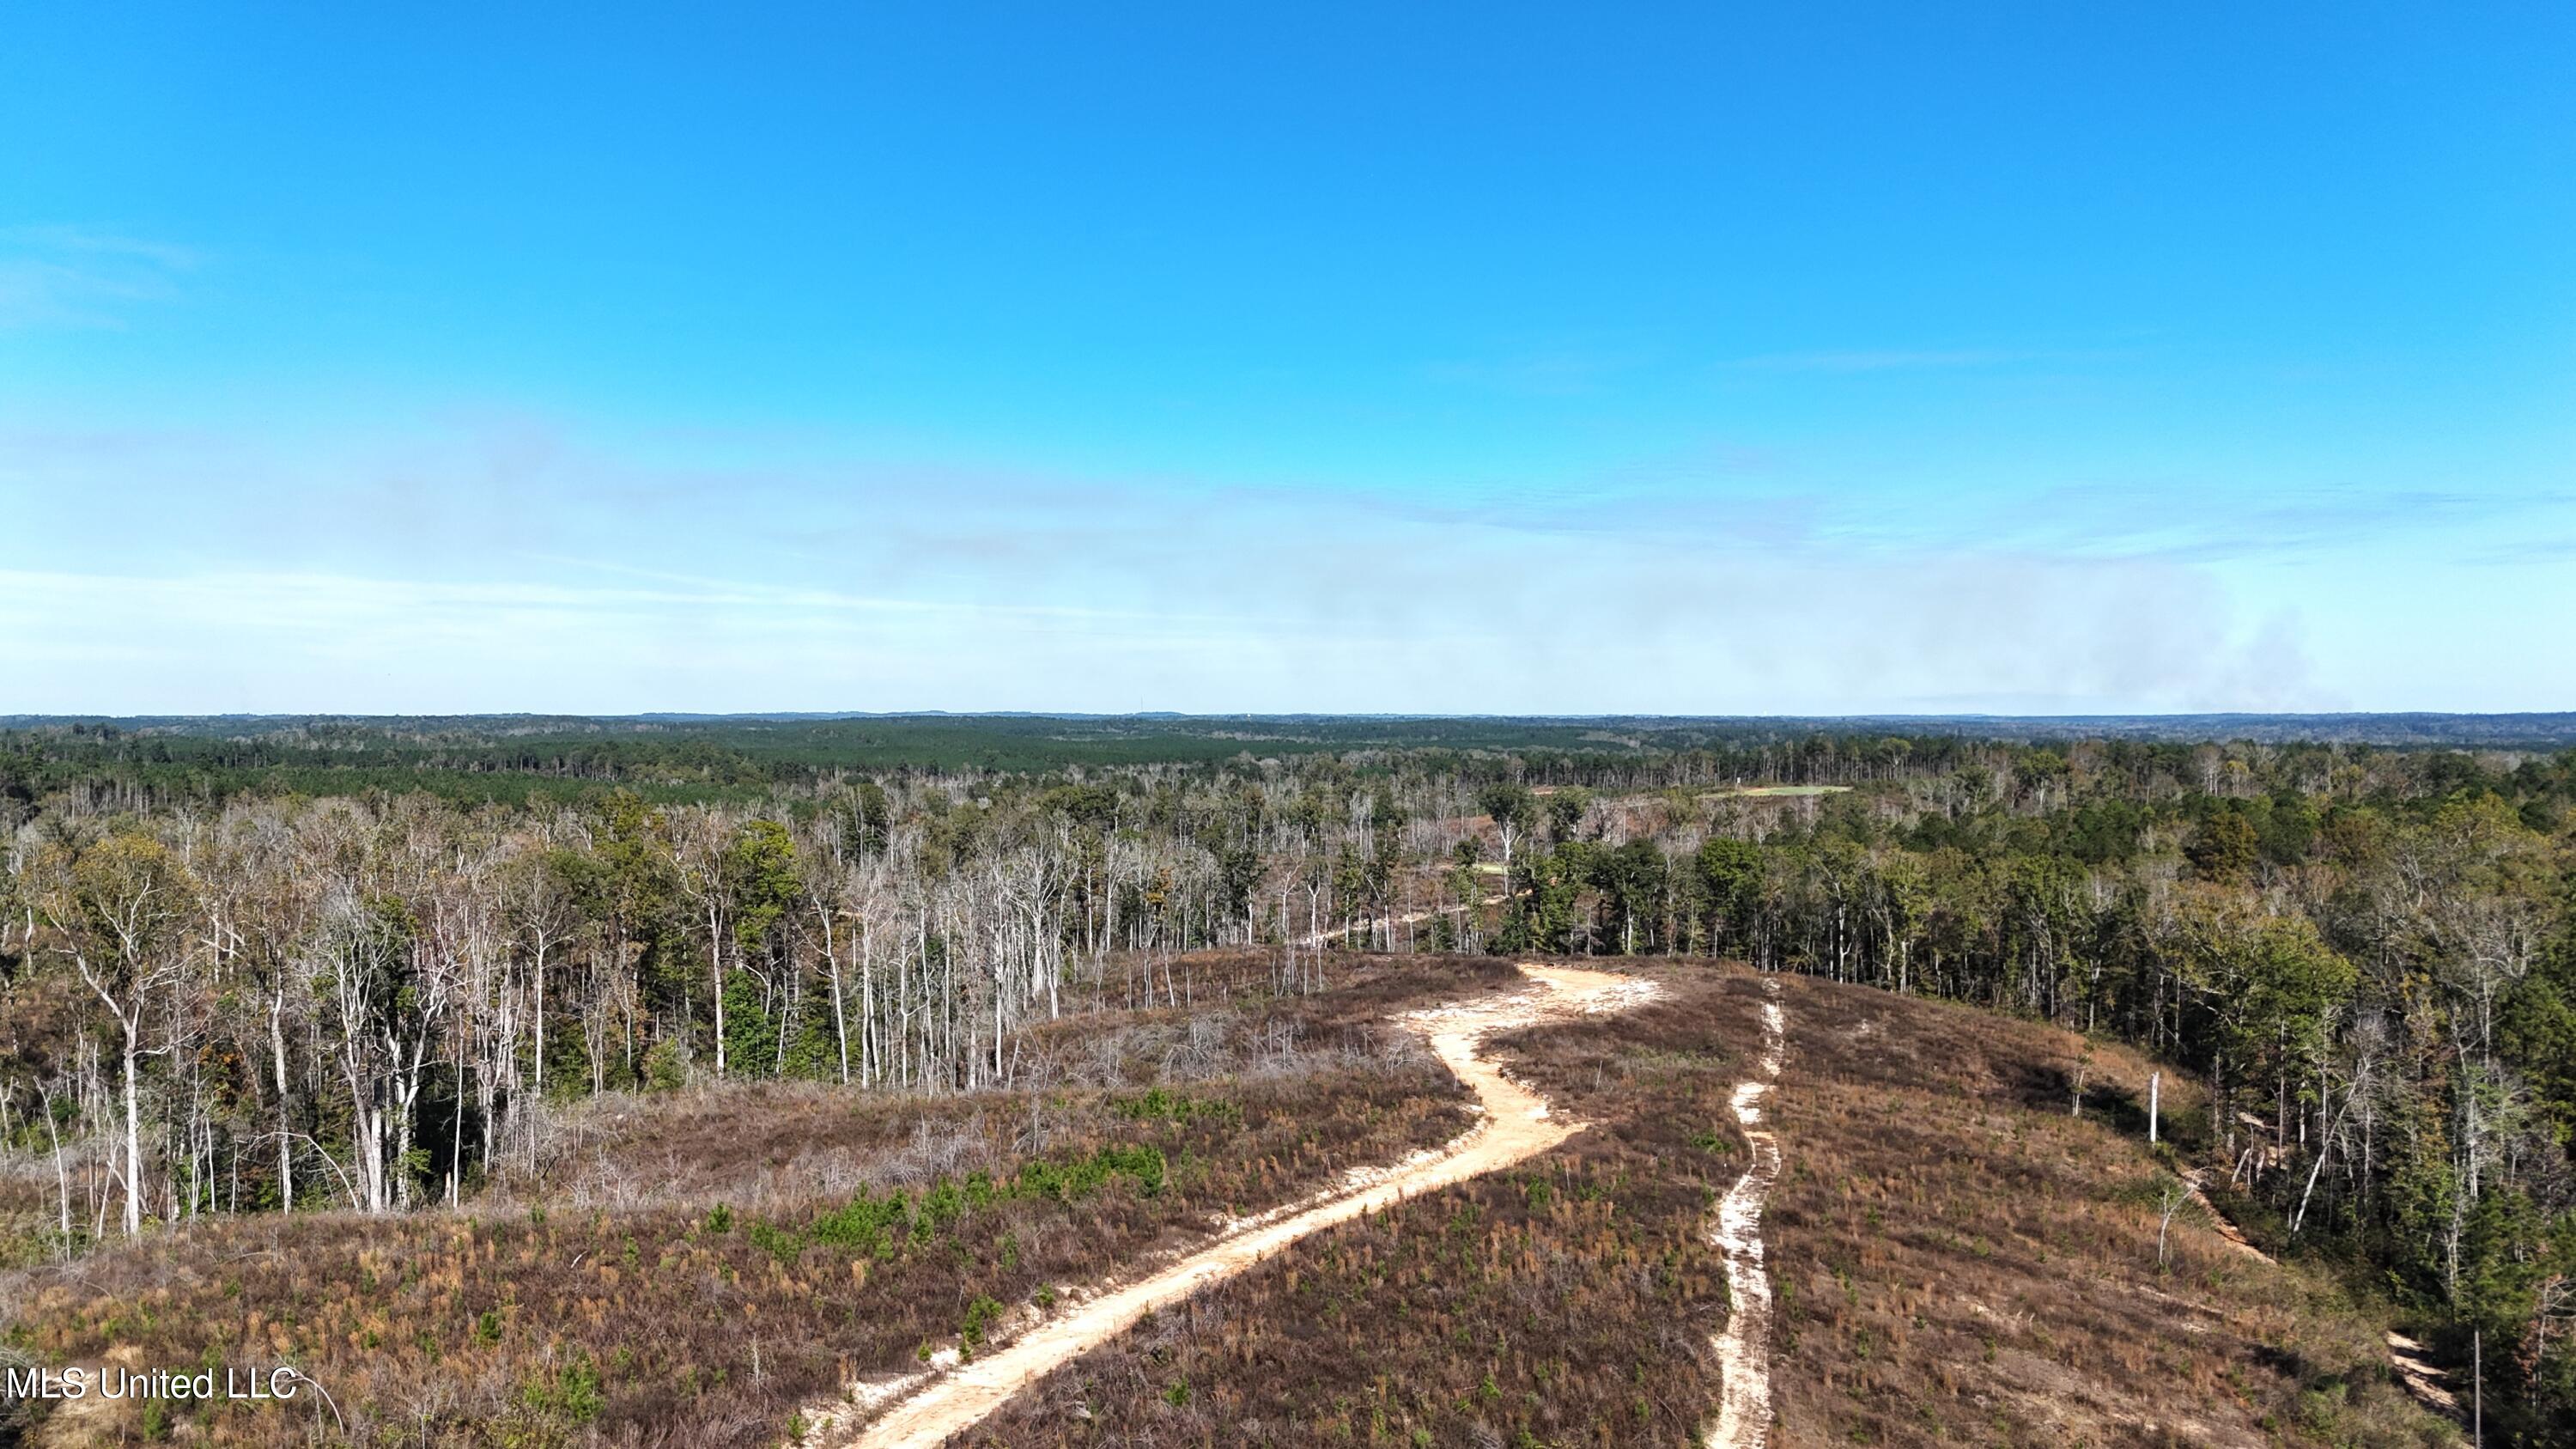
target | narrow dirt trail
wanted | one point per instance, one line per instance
(1516, 1125)
(2405, 1355)
(1744, 1346)
(2421, 1379)
(2220, 1222)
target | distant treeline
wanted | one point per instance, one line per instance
(160, 763)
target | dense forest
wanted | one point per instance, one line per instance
(676, 758)
(359, 967)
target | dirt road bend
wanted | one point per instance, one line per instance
(1516, 1125)
(1744, 1346)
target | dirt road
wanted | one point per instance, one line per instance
(1744, 1347)
(1516, 1125)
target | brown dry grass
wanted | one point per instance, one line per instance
(621, 1312)
(1960, 1260)
(1957, 1259)
(1566, 1302)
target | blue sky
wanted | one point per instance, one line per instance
(1790, 359)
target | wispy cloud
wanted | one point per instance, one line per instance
(2204, 522)
(552, 586)
(527, 568)
(1571, 631)
(92, 241)
(1558, 373)
(1886, 359)
(69, 276)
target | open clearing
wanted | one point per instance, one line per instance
(1516, 1125)
(1706, 1205)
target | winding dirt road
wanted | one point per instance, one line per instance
(1744, 1346)
(1516, 1126)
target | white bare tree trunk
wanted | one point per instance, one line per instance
(285, 1102)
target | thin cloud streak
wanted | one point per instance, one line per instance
(78, 277)
(1888, 359)
(534, 570)
(94, 241)
(1481, 628)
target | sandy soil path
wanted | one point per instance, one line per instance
(2220, 1222)
(1516, 1125)
(2405, 1355)
(1744, 1347)
(2422, 1379)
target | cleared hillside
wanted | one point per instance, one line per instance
(1962, 1259)
(1954, 1254)
(1955, 1259)
(691, 1267)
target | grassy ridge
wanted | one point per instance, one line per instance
(1959, 1258)
(706, 1263)
(1956, 1259)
